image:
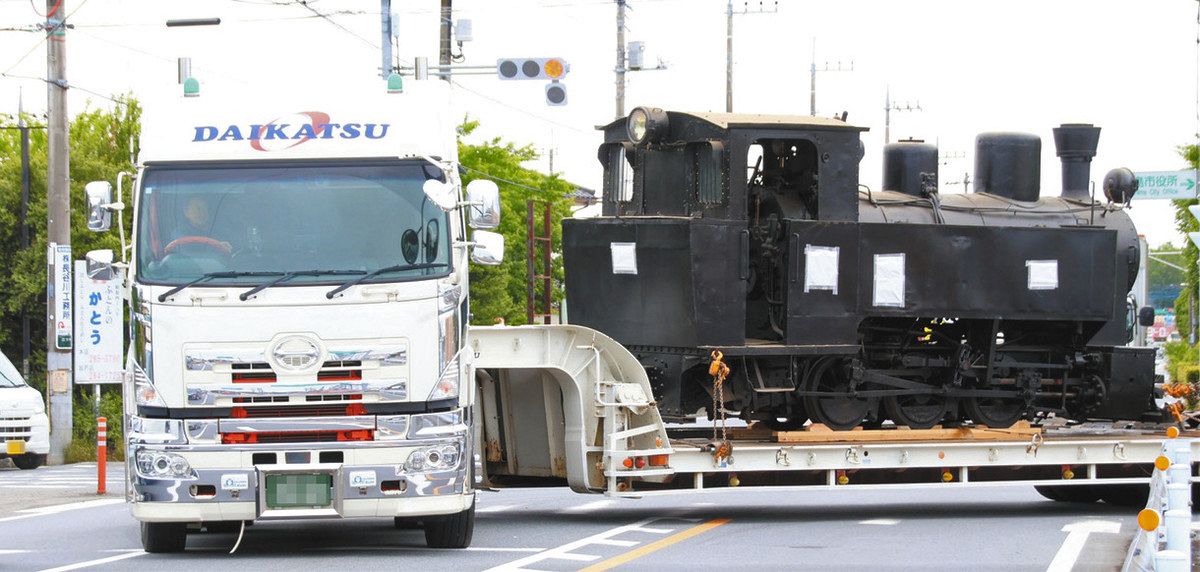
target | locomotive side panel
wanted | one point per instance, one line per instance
(656, 281)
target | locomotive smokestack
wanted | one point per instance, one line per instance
(1076, 145)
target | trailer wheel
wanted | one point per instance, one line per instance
(1077, 494)
(450, 531)
(1125, 495)
(164, 536)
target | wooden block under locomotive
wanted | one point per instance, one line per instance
(750, 235)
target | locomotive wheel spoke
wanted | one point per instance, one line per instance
(994, 412)
(839, 413)
(916, 411)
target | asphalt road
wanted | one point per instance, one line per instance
(555, 529)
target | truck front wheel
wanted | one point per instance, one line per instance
(450, 531)
(164, 536)
(29, 461)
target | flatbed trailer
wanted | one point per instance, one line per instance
(567, 401)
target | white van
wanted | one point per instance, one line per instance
(24, 427)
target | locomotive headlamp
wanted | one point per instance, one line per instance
(1119, 185)
(646, 125)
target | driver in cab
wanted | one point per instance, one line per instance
(195, 229)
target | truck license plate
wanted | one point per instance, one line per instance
(16, 447)
(299, 491)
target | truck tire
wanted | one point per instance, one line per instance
(450, 531)
(160, 537)
(1079, 494)
(29, 462)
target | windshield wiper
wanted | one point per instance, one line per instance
(255, 290)
(210, 276)
(385, 270)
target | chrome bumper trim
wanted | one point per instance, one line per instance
(384, 390)
(296, 424)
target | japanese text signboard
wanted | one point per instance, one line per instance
(1166, 185)
(97, 328)
(59, 257)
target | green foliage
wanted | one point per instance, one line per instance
(500, 291)
(1185, 223)
(1162, 275)
(83, 438)
(99, 143)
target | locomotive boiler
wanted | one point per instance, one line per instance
(750, 235)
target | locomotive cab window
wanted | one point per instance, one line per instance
(782, 174)
(618, 172)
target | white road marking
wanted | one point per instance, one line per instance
(96, 562)
(497, 508)
(55, 509)
(595, 505)
(566, 551)
(880, 521)
(1077, 536)
(10, 552)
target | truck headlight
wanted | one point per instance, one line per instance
(432, 459)
(162, 465)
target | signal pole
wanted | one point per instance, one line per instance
(58, 223)
(23, 221)
(729, 13)
(445, 52)
(812, 90)
(620, 69)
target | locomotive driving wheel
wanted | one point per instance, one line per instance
(995, 412)
(838, 412)
(920, 411)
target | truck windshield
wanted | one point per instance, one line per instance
(323, 221)
(9, 376)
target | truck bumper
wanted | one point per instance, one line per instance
(216, 482)
(33, 432)
(217, 511)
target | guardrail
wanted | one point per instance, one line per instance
(1164, 541)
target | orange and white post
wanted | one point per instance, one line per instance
(101, 454)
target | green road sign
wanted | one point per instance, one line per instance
(1166, 185)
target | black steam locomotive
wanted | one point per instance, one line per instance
(751, 235)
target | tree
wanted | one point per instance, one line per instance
(1185, 223)
(500, 291)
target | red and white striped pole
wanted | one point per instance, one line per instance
(101, 454)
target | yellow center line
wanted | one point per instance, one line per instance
(655, 546)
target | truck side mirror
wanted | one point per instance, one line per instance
(489, 248)
(484, 198)
(442, 194)
(100, 264)
(99, 197)
(1146, 316)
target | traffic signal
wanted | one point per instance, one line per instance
(556, 93)
(532, 68)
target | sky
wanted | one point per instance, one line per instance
(973, 66)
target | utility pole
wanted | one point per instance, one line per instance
(729, 13)
(812, 90)
(620, 69)
(888, 108)
(729, 58)
(445, 53)
(58, 225)
(385, 16)
(23, 222)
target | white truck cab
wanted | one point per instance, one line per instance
(298, 289)
(24, 427)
